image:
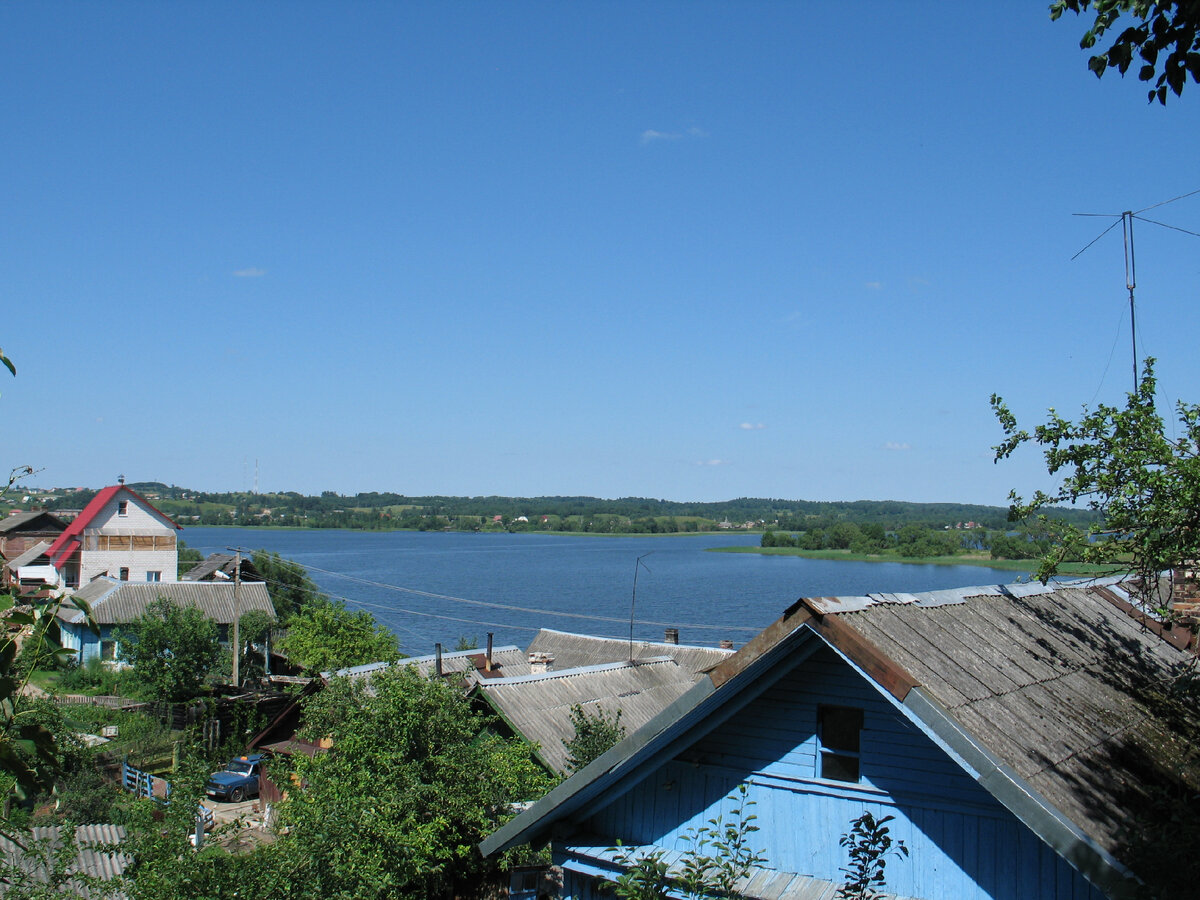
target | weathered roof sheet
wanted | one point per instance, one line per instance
(570, 651)
(18, 521)
(539, 706)
(226, 564)
(121, 602)
(27, 558)
(506, 661)
(97, 856)
(1060, 685)
(1055, 698)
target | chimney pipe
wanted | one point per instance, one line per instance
(671, 636)
(487, 660)
(437, 666)
(540, 663)
(726, 644)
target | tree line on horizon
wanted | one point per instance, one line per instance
(627, 515)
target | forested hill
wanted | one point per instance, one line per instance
(578, 514)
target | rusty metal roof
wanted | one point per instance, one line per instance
(538, 706)
(122, 602)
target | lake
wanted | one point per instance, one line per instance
(430, 587)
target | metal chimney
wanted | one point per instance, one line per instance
(487, 660)
(437, 665)
(671, 636)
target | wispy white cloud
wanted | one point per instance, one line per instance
(874, 285)
(651, 135)
(897, 445)
(752, 426)
(252, 272)
(712, 462)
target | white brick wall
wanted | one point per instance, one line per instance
(139, 562)
(138, 520)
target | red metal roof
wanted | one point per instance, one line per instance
(68, 542)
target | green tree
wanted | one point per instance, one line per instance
(414, 780)
(324, 636)
(869, 844)
(1122, 464)
(1166, 38)
(172, 650)
(288, 583)
(595, 733)
(718, 856)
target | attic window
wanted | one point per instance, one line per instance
(839, 729)
(122, 507)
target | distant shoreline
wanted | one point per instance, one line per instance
(1012, 565)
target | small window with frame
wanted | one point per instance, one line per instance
(152, 575)
(839, 738)
(122, 507)
(124, 573)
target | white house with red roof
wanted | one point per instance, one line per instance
(119, 534)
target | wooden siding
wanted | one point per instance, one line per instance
(962, 842)
(97, 542)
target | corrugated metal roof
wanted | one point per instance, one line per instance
(570, 651)
(97, 856)
(539, 706)
(121, 602)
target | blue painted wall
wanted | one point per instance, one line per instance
(79, 637)
(962, 843)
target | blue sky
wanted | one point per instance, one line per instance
(685, 250)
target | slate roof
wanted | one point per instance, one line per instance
(17, 521)
(538, 707)
(574, 650)
(122, 602)
(37, 550)
(1060, 684)
(1055, 699)
(97, 857)
(506, 661)
(224, 563)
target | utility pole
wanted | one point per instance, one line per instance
(237, 612)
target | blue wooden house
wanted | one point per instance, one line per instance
(1012, 732)
(116, 605)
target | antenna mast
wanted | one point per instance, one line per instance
(1126, 218)
(1130, 283)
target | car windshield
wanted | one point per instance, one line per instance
(241, 767)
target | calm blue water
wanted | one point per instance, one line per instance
(430, 587)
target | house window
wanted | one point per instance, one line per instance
(108, 650)
(122, 507)
(839, 729)
(154, 576)
(124, 573)
(223, 634)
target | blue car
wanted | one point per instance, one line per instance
(238, 781)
